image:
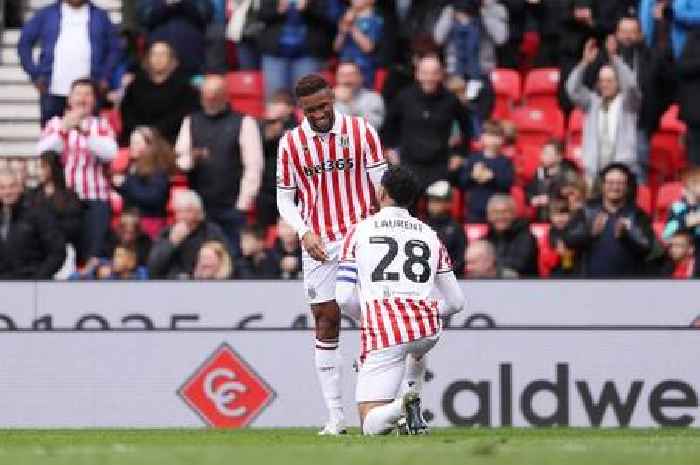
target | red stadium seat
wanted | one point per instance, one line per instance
(475, 231)
(379, 79)
(116, 203)
(526, 162)
(506, 86)
(659, 227)
(667, 156)
(179, 180)
(270, 236)
(457, 209)
(247, 92)
(574, 132)
(541, 87)
(669, 193)
(120, 162)
(521, 207)
(329, 76)
(114, 118)
(536, 126)
(644, 200)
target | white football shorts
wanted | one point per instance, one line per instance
(319, 277)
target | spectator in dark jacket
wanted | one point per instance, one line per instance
(688, 67)
(128, 232)
(554, 170)
(180, 23)
(451, 233)
(549, 16)
(53, 195)
(175, 252)
(146, 184)
(685, 213)
(418, 125)
(612, 233)
(297, 38)
(255, 262)
(31, 244)
(516, 247)
(279, 118)
(287, 252)
(77, 40)
(485, 173)
(160, 95)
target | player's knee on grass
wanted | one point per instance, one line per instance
(327, 316)
(370, 424)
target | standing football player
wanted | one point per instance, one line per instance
(327, 168)
(394, 261)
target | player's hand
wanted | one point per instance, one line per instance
(599, 223)
(314, 246)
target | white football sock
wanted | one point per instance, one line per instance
(328, 368)
(381, 420)
(414, 374)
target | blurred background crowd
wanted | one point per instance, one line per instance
(553, 138)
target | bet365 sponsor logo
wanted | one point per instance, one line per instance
(330, 165)
(550, 402)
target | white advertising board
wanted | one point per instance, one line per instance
(265, 378)
(281, 304)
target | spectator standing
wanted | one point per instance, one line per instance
(451, 233)
(221, 152)
(287, 252)
(159, 96)
(485, 173)
(402, 72)
(296, 41)
(128, 232)
(611, 232)
(419, 124)
(31, 244)
(359, 32)
(86, 144)
(688, 66)
(255, 262)
(685, 213)
(554, 170)
(611, 114)
(549, 16)
(480, 259)
(175, 253)
(146, 184)
(510, 236)
(279, 118)
(354, 100)
(180, 23)
(53, 195)
(213, 262)
(77, 40)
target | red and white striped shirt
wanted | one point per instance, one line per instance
(331, 173)
(84, 152)
(393, 259)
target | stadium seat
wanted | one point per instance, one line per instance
(659, 227)
(541, 232)
(536, 126)
(178, 180)
(247, 92)
(668, 193)
(521, 207)
(667, 157)
(114, 118)
(328, 75)
(526, 162)
(506, 86)
(270, 236)
(120, 162)
(116, 203)
(475, 231)
(644, 200)
(379, 79)
(541, 87)
(457, 209)
(574, 131)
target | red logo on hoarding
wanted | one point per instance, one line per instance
(225, 392)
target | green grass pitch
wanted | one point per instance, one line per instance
(302, 446)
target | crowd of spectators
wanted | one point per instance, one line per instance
(145, 115)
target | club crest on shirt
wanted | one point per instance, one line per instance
(345, 141)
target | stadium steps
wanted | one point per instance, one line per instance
(19, 101)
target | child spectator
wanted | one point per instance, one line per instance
(485, 173)
(681, 257)
(279, 117)
(146, 184)
(123, 265)
(213, 262)
(128, 233)
(685, 214)
(255, 262)
(287, 252)
(553, 170)
(556, 259)
(359, 32)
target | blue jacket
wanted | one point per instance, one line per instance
(686, 15)
(44, 28)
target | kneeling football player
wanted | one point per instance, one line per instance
(391, 262)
